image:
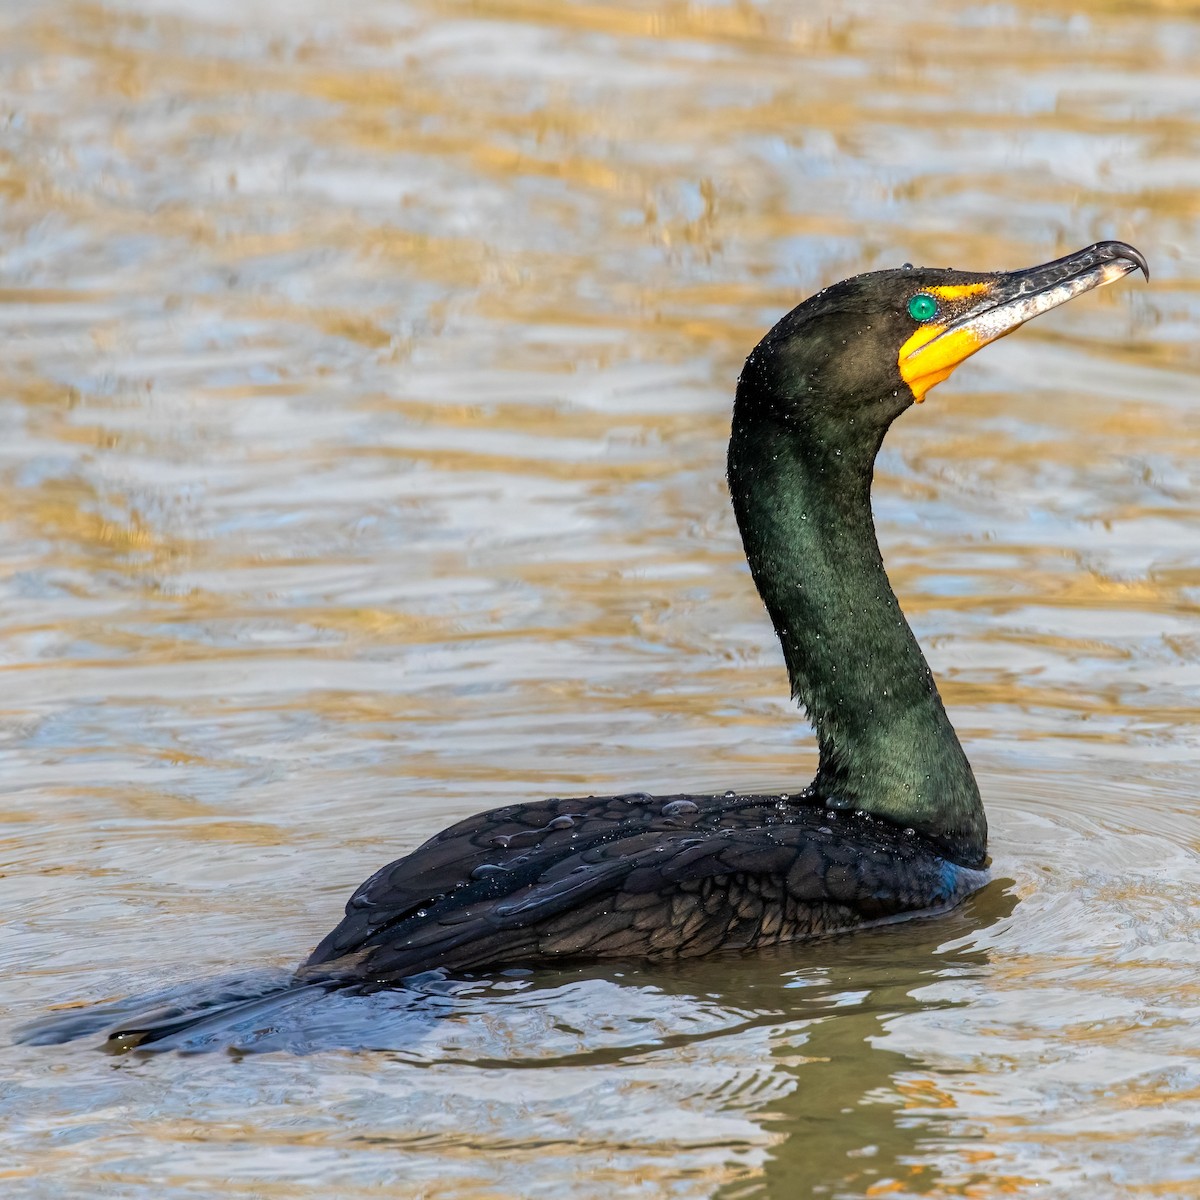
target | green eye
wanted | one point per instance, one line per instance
(922, 307)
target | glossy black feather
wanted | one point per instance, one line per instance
(653, 877)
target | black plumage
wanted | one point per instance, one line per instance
(631, 876)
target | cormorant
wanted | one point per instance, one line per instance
(891, 826)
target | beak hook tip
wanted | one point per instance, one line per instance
(1131, 254)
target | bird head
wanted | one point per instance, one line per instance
(861, 351)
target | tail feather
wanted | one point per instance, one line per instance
(175, 1028)
(175, 1017)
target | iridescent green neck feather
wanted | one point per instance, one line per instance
(800, 475)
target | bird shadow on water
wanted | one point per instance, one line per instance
(860, 1116)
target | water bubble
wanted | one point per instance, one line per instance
(906, 267)
(502, 839)
(729, 795)
(563, 822)
(422, 912)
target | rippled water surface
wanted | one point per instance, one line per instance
(365, 374)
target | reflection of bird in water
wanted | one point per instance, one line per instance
(892, 824)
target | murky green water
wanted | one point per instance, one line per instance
(364, 379)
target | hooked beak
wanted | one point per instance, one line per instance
(979, 313)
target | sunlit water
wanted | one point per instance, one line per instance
(364, 377)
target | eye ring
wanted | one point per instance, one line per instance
(922, 307)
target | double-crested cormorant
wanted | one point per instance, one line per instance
(892, 824)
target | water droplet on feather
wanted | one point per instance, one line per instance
(676, 808)
(484, 870)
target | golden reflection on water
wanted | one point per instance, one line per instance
(365, 379)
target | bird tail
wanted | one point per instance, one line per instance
(194, 1017)
(223, 1023)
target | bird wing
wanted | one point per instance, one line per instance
(480, 855)
(623, 880)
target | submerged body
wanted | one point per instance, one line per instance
(892, 825)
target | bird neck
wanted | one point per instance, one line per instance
(887, 746)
